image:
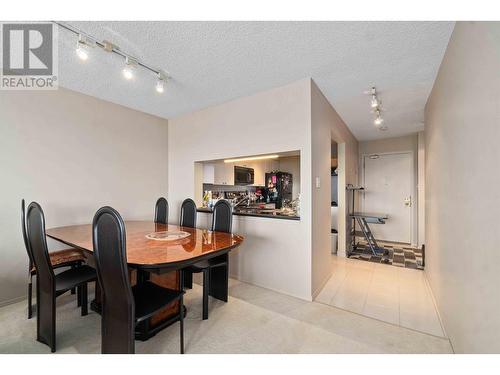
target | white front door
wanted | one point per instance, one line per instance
(388, 183)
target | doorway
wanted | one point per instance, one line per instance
(388, 182)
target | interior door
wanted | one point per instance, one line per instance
(388, 181)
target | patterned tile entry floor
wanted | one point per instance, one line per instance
(400, 255)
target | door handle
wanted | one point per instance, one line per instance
(408, 201)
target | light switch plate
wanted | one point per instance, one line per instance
(318, 182)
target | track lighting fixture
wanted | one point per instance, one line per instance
(129, 69)
(375, 103)
(86, 41)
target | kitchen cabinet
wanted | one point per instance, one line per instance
(223, 173)
(261, 168)
(209, 174)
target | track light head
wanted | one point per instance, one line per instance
(160, 87)
(129, 69)
(160, 84)
(375, 102)
(378, 120)
(83, 45)
(82, 53)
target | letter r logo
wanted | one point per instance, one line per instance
(27, 49)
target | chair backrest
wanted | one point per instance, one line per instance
(37, 246)
(188, 213)
(118, 306)
(25, 236)
(161, 211)
(222, 217)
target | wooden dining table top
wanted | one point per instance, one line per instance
(142, 251)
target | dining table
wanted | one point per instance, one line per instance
(157, 253)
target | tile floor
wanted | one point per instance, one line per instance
(396, 295)
(399, 255)
(255, 320)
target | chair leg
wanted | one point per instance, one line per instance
(46, 317)
(53, 345)
(53, 341)
(181, 319)
(78, 296)
(73, 290)
(30, 297)
(187, 278)
(84, 299)
(206, 289)
(219, 282)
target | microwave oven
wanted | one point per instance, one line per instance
(243, 176)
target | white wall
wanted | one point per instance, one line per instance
(407, 143)
(421, 189)
(462, 121)
(398, 144)
(276, 253)
(326, 125)
(72, 153)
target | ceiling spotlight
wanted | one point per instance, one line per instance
(130, 65)
(378, 120)
(160, 84)
(82, 47)
(82, 52)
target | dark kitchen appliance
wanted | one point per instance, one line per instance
(243, 175)
(279, 188)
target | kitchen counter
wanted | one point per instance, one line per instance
(255, 212)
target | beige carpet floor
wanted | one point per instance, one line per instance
(255, 320)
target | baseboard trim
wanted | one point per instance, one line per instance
(436, 307)
(322, 285)
(12, 301)
(308, 299)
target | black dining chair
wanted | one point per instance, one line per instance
(188, 213)
(124, 306)
(161, 211)
(50, 285)
(58, 259)
(222, 221)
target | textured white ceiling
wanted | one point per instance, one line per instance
(213, 62)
